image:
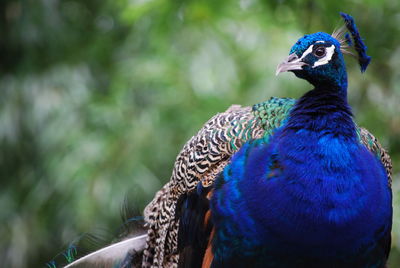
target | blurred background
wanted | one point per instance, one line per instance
(98, 97)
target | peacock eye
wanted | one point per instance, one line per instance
(320, 52)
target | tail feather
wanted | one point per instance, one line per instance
(123, 250)
(112, 255)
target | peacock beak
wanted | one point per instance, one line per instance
(293, 62)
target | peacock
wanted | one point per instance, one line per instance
(284, 183)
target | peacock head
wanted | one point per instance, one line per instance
(318, 57)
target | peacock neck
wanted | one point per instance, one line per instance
(323, 110)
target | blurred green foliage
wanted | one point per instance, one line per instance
(98, 97)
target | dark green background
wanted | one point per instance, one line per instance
(98, 97)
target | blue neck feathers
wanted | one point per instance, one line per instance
(323, 110)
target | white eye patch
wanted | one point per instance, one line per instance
(324, 60)
(328, 56)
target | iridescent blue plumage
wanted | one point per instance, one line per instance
(309, 195)
(312, 197)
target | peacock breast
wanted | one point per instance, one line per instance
(329, 195)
